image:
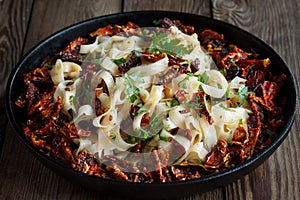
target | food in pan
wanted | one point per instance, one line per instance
(161, 104)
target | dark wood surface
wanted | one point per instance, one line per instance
(23, 23)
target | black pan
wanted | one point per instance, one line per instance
(59, 40)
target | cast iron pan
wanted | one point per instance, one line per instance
(59, 40)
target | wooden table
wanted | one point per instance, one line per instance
(23, 23)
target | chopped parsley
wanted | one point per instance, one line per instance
(219, 86)
(119, 61)
(153, 129)
(49, 67)
(139, 112)
(161, 42)
(174, 102)
(190, 74)
(156, 22)
(168, 104)
(140, 105)
(71, 99)
(224, 107)
(113, 136)
(224, 71)
(97, 62)
(240, 121)
(227, 93)
(194, 104)
(269, 132)
(243, 93)
(233, 63)
(162, 138)
(203, 78)
(131, 91)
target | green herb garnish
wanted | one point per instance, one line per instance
(174, 102)
(194, 104)
(269, 132)
(224, 107)
(233, 63)
(156, 22)
(240, 121)
(162, 138)
(243, 93)
(161, 42)
(49, 67)
(204, 78)
(153, 129)
(119, 61)
(113, 136)
(131, 91)
(224, 71)
(227, 93)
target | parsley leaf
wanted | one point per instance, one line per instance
(269, 132)
(203, 78)
(233, 63)
(227, 93)
(153, 129)
(49, 67)
(224, 107)
(224, 71)
(131, 91)
(113, 136)
(197, 105)
(241, 122)
(162, 43)
(243, 93)
(162, 138)
(156, 22)
(174, 102)
(119, 61)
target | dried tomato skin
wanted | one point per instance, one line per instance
(71, 52)
(133, 61)
(167, 23)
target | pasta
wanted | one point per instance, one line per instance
(129, 98)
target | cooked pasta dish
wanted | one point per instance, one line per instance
(158, 104)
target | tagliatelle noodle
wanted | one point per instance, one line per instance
(151, 69)
(217, 84)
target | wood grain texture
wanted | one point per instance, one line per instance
(14, 17)
(59, 14)
(201, 7)
(278, 177)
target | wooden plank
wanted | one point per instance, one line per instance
(59, 14)
(14, 17)
(276, 22)
(25, 177)
(201, 7)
